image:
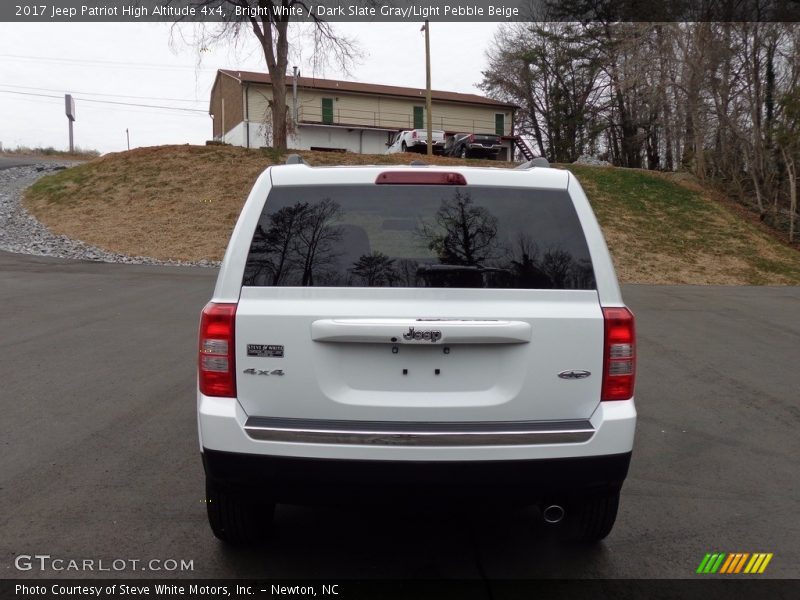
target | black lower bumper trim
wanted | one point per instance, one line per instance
(304, 480)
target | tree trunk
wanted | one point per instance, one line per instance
(790, 170)
(275, 43)
(278, 115)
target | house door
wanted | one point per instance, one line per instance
(327, 111)
(499, 124)
(419, 113)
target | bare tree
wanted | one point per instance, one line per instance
(551, 71)
(270, 21)
(787, 137)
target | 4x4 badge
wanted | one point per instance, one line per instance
(263, 372)
(433, 335)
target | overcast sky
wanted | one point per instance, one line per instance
(136, 63)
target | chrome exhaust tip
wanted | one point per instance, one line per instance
(553, 514)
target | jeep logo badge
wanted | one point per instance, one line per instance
(574, 374)
(434, 335)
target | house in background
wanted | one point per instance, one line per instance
(345, 115)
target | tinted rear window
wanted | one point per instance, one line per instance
(419, 236)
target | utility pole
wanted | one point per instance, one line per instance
(294, 94)
(427, 28)
(128, 136)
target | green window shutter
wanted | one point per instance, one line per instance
(327, 111)
(499, 124)
(418, 117)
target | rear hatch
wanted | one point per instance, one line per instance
(422, 135)
(419, 303)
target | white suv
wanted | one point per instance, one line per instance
(408, 332)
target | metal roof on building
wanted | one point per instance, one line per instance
(316, 83)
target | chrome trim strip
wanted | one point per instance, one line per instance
(418, 434)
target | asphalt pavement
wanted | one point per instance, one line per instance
(99, 456)
(6, 162)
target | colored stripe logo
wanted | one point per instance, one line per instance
(734, 562)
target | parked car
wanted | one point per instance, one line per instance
(416, 140)
(473, 145)
(406, 333)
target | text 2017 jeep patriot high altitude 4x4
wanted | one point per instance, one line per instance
(400, 332)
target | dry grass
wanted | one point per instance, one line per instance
(50, 153)
(181, 202)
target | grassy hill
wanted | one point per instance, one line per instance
(181, 202)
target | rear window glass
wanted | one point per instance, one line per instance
(419, 236)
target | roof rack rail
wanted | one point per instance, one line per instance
(295, 159)
(540, 161)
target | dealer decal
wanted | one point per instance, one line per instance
(265, 350)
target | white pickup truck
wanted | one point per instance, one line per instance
(408, 332)
(416, 140)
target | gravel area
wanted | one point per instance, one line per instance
(21, 233)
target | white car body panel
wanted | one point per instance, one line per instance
(478, 381)
(335, 340)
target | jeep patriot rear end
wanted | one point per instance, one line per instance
(408, 331)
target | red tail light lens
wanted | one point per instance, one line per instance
(413, 135)
(471, 138)
(216, 363)
(619, 357)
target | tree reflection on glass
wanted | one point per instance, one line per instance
(375, 269)
(297, 247)
(316, 240)
(461, 233)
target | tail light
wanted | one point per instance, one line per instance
(619, 356)
(216, 362)
(471, 138)
(421, 178)
(413, 135)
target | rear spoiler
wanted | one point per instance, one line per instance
(296, 159)
(540, 162)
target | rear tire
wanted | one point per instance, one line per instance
(463, 153)
(404, 147)
(595, 515)
(236, 517)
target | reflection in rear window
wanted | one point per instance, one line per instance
(419, 236)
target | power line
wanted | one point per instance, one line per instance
(193, 110)
(135, 110)
(177, 108)
(105, 63)
(29, 94)
(154, 111)
(27, 87)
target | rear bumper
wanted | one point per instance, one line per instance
(421, 146)
(304, 480)
(488, 149)
(223, 426)
(414, 434)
